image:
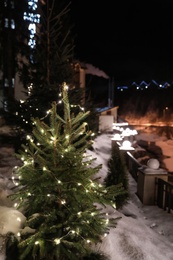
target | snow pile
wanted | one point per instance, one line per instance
(11, 220)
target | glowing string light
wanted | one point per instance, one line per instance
(57, 241)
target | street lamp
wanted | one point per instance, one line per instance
(126, 146)
(116, 139)
(165, 111)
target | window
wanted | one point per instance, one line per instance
(6, 83)
(32, 18)
(12, 24)
(5, 3)
(13, 82)
(12, 4)
(6, 23)
(32, 5)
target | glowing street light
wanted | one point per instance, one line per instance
(126, 146)
(117, 137)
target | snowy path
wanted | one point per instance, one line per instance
(143, 232)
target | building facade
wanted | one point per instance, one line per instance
(11, 26)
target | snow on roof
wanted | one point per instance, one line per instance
(90, 69)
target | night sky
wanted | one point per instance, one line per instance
(130, 40)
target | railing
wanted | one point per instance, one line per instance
(164, 189)
(133, 165)
(164, 197)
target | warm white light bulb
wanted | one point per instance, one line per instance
(57, 241)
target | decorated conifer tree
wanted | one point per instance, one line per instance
(62, 200)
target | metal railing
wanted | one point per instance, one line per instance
(164, 197)
(133, 165)
(164, 189)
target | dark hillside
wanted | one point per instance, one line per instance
(140, 103)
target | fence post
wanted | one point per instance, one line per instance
(160, 193)
(146, 183)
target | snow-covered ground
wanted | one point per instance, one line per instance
(142, 233)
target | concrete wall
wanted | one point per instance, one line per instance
(105, 123)
(146, 185)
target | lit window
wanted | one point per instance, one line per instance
(12, 24)
(6, 22)
(12, 4)
(32, 28)
(32, 5)
(6, 83)
(31, 17)
(31, 43)
(5, 3)
(13, 82)
(5, 105)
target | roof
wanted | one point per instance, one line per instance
(100, 110)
